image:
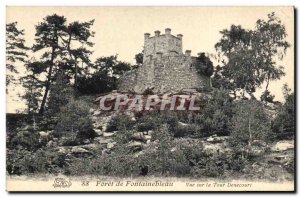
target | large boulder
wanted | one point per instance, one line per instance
(139, 136)
(110, 145)
(283, 145)
(217, 139)
(108, 134)
(91, 147)
(78, 151)
(216, 144)
(96, 113)
(99, 132)
(91, 110)
(62, 150)
(135, 144)
(102, 140)
(148, 137)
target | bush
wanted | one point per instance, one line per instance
(105, 79)
(60, 94)
(124, 125)
(284, 124)
(249, 123)
(153, 120)
(215, 117)
(27, 162)
(120, 122)
(27, 139)
(96, 83)
(119, 163)
(163, 159)
(74, 121)
(149, 121)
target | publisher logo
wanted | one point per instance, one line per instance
(61, 183)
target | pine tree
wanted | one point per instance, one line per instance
(15, 51)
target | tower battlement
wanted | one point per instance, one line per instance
(165, 67)
(162, 45)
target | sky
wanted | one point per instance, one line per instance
(120, 30)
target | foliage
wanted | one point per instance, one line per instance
(15, 50)
(250, 122)
(284, 124)
(210, 166)
(74, 121)
(161, 160)
(215, 117)
(119, 163)
(21, 161)
(27, 139)
(104, 78)
(267, 97)
(124, 125)
(60, 93)
(139, 58)
(54, 40)
(32, 95)
(96, 83)
(204, 66)
(249, 55)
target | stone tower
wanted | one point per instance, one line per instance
(162, 45)
(165, 68)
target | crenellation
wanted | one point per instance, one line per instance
(165, 67)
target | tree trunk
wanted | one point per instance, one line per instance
(250, 135)
(72, 58)
(47, 87)
(268, 81)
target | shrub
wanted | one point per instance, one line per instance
(192, 150)
(149, 121)
(96, 83)
(284, 124)
(153, 120)
(119, 163)
(27, 139)
(74, 121)
(215, 117)
(60, 94)
(120, 122)
(27, 162)
(249, 123)
(211, 166)
(124, 125)
(162, 158)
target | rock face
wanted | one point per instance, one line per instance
(165, 68)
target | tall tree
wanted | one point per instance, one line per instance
(48, 40)
(15, 50)
(33, 91)
(79, 34)
(57, 41)
(250, 56)
(269, 41)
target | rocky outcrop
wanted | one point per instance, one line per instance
(283, 145)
